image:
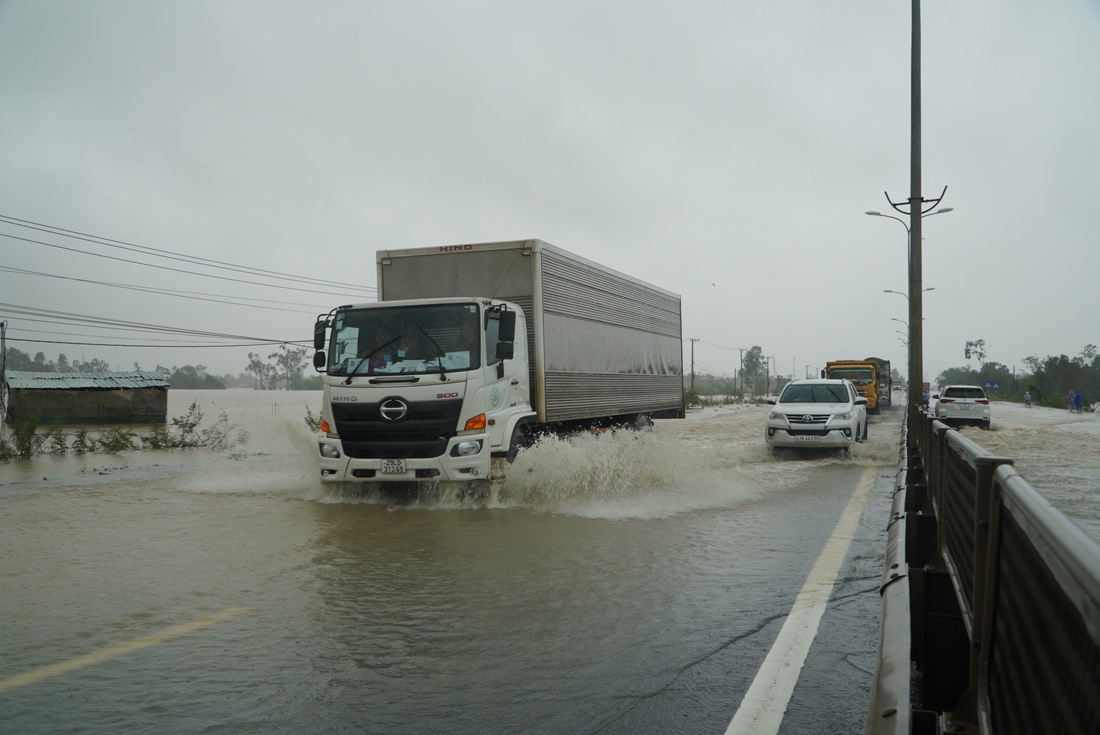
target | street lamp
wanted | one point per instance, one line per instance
(916, 337)
(899, 293)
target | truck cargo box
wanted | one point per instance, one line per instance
(602, 343)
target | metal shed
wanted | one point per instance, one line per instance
(136, 397)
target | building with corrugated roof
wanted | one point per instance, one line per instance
(135, 397)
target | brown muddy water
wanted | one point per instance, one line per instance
(193, 591)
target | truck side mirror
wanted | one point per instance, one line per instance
(319, 361)
(319, 334)
(505, 350)
(507, 327)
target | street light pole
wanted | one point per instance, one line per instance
(916, 204)
(914, 297)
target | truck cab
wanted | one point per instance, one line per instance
(421, 389)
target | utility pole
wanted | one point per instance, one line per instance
(916, 204)
(693, 340)
(741, 373)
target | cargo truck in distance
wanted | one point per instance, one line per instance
(862, 373)
(884, 377)
(474, 350)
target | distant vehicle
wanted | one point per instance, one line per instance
(863, 374)
(884, 379)
(960, 405)
(817, 414)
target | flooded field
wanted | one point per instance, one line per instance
(1056, 451)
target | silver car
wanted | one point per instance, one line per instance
(817, 414)
(963, 404)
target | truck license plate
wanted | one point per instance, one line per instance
(393, 466)
(805, 438)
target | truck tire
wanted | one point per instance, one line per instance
(519, 441)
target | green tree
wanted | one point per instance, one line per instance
(975, 349)
(290, 365)
(264, 373)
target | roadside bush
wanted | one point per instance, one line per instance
(59, 443)
(313, 422)
(184, 432)
(83, 443)
(25, 438)
(115, 440)
(222, 435)
(158, 438)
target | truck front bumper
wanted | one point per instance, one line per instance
(336, 466)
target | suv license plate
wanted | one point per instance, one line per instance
(393, 466)
(964, 406)
(807, 438)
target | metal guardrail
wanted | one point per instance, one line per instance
(990, 601)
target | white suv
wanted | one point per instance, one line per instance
(817, 414)
(963, 404)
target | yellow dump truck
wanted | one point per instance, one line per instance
(862, 373)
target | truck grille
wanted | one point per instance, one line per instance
(421, 433)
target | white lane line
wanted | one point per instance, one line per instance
(118, 649)
(761, 711)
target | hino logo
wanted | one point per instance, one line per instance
(455, 248)
(393, 409)
(345, 399)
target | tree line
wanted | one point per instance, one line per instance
(284, 369)
(1048, 379)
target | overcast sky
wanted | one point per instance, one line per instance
(725, 151)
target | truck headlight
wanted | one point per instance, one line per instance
(466, 449)
(329, 451)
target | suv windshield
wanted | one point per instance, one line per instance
(406, 339)
(822, 393)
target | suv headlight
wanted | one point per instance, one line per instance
(843, 416)
(776, 416)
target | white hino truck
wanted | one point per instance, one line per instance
(471, 351)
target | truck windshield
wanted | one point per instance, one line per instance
(859, 376)
(407, 339)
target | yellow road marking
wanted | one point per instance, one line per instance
(118, 649)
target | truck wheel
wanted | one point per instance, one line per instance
(519, 441)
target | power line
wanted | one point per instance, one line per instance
(156, 252)
(134, 326)
(159, 267)
(158, 346)
(215, 298)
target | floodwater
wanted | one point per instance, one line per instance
(618, 583)
(1056, 451)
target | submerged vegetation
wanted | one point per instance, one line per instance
(26, 439)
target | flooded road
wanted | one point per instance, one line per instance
(621, 583)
